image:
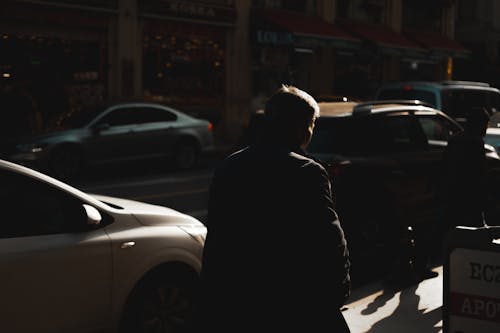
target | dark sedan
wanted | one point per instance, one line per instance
(115, 133)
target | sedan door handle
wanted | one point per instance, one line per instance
(127, 245)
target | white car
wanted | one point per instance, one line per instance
(75, 262)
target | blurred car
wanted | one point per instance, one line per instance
(492, 137)
(385, 161)
(75, 262)
(452, 97)
(114, 133)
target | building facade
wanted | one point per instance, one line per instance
(220, 59)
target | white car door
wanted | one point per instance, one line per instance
(55, 270)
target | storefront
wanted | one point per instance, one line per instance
(383, 54)
(184, 55)
(55, 56)
(298, 49)
(441, 54)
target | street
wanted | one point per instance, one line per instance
(373, 306)
(154, 182)
(378, 308)
(402, 92)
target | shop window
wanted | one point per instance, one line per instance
(179, 66)
(343, 8)
(422, 15)
(467, 9)
(369, 11)
(58, 74)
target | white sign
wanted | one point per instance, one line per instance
(474, 291)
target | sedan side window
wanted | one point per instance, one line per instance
(395, 133)
(32, 208)
(120, 117)
(457, 103)
(154, 115)
(436, 129)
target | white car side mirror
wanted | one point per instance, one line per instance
(93, 215)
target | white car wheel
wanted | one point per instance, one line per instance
(159, 305)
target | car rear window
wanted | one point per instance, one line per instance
(333, 135)
(374, 134)
(409, 93)
(457, 102)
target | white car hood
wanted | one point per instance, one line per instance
(149, 214)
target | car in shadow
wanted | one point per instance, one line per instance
(385, 159)
(114, 133)
(453, 97)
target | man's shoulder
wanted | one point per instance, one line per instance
(303, 158)
(308, 162)
(246, 157)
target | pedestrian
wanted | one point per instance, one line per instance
(465, 195)
(275, 257)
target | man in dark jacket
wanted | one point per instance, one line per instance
(465, 173)
(275, 257)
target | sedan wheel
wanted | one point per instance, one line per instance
(158, 307)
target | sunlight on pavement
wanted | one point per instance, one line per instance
(377, 308)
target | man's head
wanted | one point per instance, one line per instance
(290, 114)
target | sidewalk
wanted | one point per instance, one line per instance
(376, 308)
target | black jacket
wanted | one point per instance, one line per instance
(465, 179)
(275, 254)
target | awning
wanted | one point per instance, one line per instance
(438, 44)
(305, 29)
(384, 37)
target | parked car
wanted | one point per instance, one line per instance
(492, 137)
(77, 262)
(452, 97)
(114, 133)
(385, 161)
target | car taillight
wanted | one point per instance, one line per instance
(407, 87)
(210, 127)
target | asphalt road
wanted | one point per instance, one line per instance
(154, 182)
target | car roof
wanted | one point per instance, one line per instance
(345, 109)
(441, 85)
(20, 169)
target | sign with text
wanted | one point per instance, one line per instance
(474, 291)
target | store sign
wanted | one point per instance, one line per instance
(193, 9)
(190, 10)
(274, 37)
(474, 291)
